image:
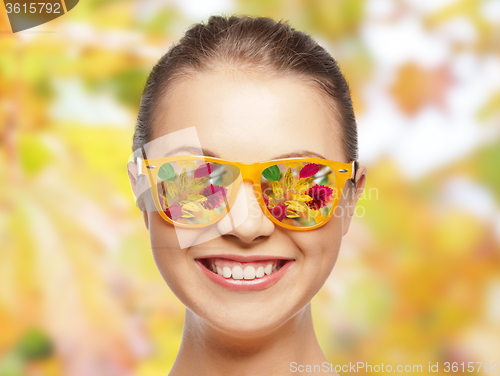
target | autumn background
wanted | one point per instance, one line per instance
(418, 278)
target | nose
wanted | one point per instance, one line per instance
(255, 225)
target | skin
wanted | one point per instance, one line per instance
(251, 332)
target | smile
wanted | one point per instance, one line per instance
(256, 274)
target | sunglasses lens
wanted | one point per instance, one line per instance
(299, 194)
(195, 192)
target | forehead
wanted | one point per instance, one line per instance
(248, 118)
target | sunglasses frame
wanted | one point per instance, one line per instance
(249, 173)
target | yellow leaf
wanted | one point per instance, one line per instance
(278, 191)
(187, 214)
(288, 179)
(196, 197)
(199, 184)
(183, 180)
(191, 206)
(172, 189)
(296, 206)
(302, 197)
(304, 184)
(291, 214)
(271, 203)
(187, 163)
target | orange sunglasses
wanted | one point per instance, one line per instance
(296, 193)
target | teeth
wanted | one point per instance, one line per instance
(226, 272)
(249, 272)
(237, 272)
(259, 273)
(268, 269)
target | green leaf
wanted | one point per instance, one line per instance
(324, 180)
(218, 181)
(35, 344)
(122, 83)
(166, 172)
(272, 173)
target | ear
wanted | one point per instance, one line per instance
(353, 197)
(132, 175)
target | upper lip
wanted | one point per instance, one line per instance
(249, 258)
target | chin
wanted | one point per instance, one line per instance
(243, 322)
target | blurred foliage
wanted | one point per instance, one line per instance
(35, 345)
(79, 290)
(416, 87)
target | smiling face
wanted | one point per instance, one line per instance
(250, 119)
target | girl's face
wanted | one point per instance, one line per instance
(248, 119)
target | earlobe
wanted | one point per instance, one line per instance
(132, 175)
(360, 182)
(146, 219)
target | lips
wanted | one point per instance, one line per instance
(244, 273)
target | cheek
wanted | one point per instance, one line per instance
(170, 259)
(164, 236)
(323, 243)
(319, 250)
(161, 234)
(173, 262)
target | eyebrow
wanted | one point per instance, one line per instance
(192, 150)
(300, 153)
(209, 153)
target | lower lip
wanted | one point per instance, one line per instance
(246, 284)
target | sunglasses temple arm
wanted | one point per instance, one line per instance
(354, 171)
(146, 162)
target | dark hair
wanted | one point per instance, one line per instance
(253, 45)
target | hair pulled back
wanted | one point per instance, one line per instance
(251, 44)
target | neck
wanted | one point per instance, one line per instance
(207, 351)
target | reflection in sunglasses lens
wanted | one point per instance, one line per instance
(299, 194)
(194, 192)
